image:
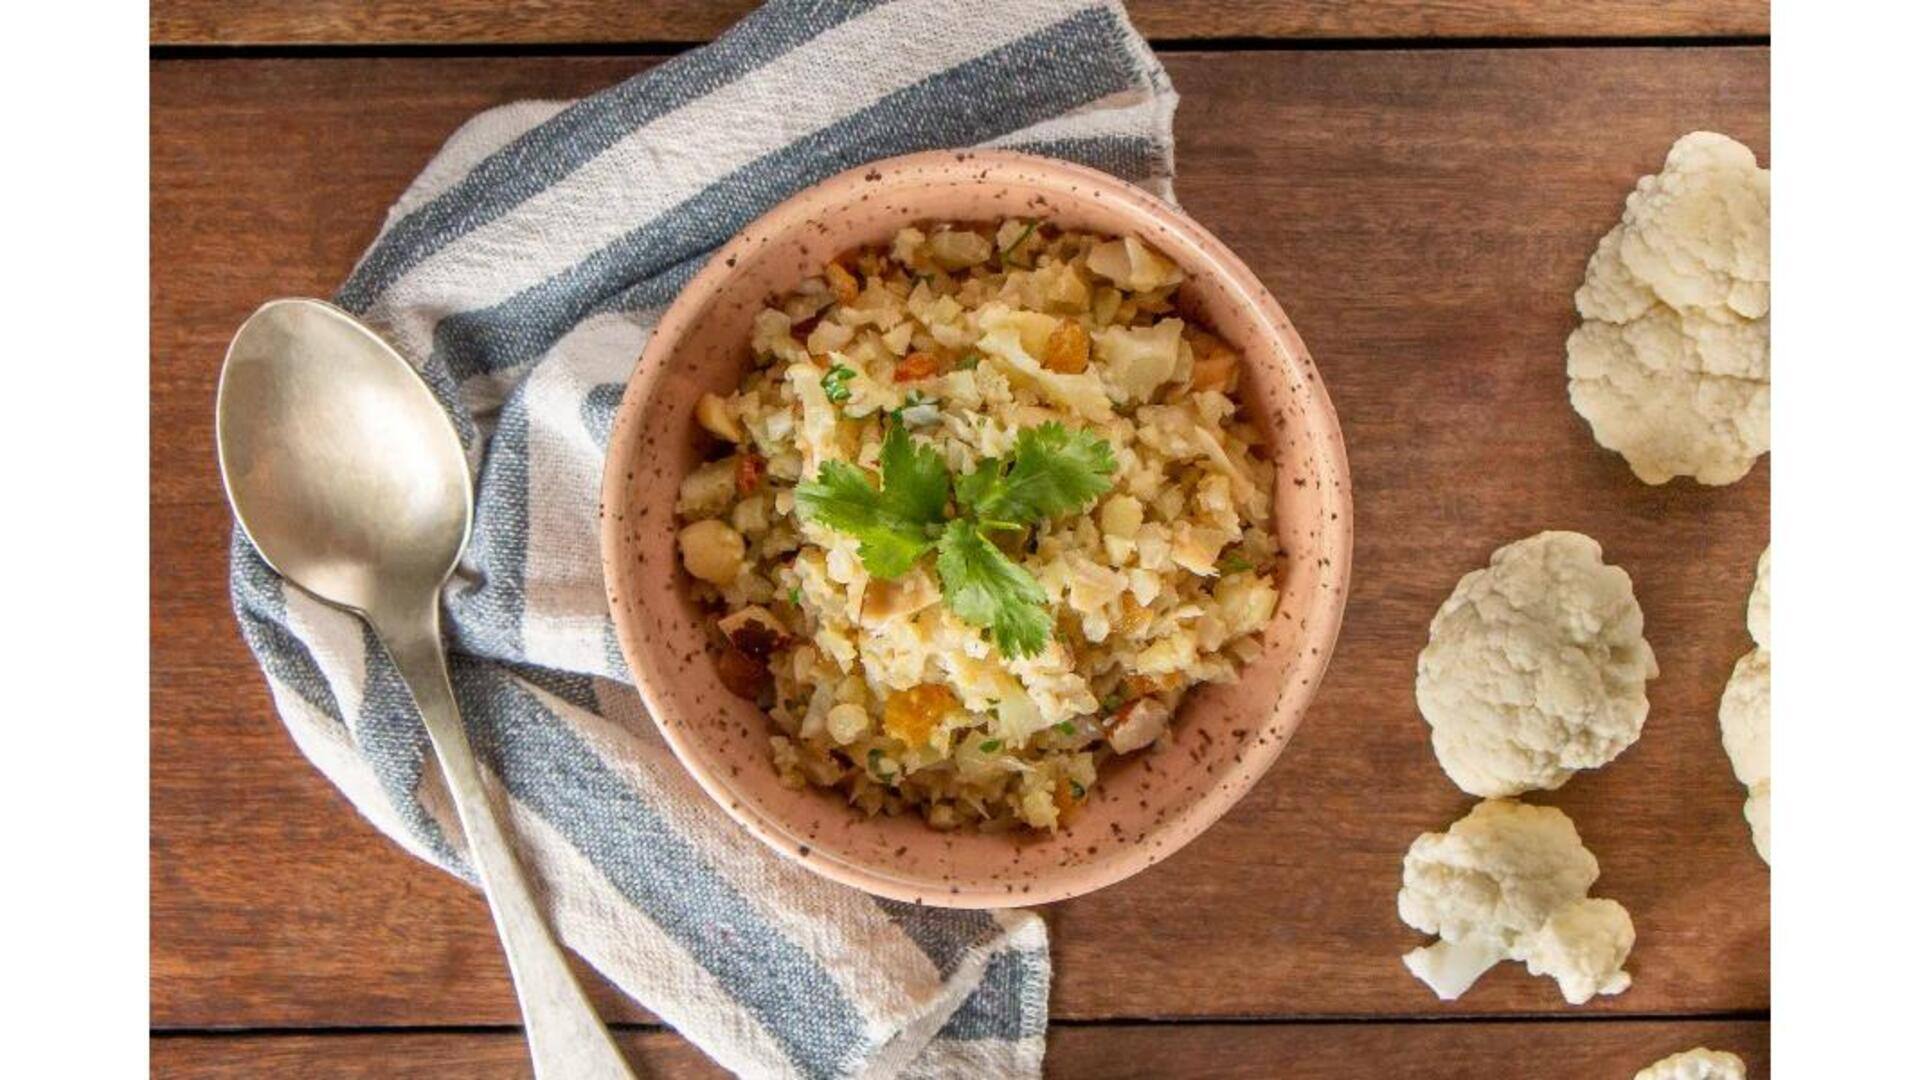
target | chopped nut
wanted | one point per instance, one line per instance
(712, 551)
(1067, 348)
(756, 632)
(714, 415)
(1137, 724)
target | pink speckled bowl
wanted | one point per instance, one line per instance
(1146, 805)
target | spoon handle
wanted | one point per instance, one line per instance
(567, 1039)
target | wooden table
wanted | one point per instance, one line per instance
(1419, 185)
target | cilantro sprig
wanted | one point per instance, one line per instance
(1051, 471)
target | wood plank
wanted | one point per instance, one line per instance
(1477, 1051)
(1424, 216)
(469, 22)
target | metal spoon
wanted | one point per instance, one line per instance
(347, 476)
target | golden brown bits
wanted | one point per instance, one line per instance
(845, 287)
(916, 365)
(912, 715)
(748, 468)
(1215, 365)
(1067, 348)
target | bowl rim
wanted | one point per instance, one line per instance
(1326, 608)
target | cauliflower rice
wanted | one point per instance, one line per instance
(968, 336)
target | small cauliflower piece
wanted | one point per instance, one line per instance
(712, 551)
(1132, 265)
(957, 249)
(1698, 1063)
(708, 490)
(1121, 516)
(905, 596)
(1535, 667)
(1698, 231)
(1016, 339)
(1676, 395)
(1137, 360)
(1509, 882)
(1247, 602)
(847, 722)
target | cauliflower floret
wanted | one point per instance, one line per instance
(1676, 395)
(1583, 946)
(1014, 338)
(1535, 667)
(1132, 265)
(1698, 1063)
(1138, 360)
(1760, 604)
(1746, 730)
(1697, 232)
(1509, 882)
(1672, 367)
(1746, 713)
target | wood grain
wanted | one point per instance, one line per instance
(1424, 216)
(444, 22)
(1478, 1051)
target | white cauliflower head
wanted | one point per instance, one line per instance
(1746, 712)
(1672, 367)
(1509, 882)
(1535, 667)
(1698, 1063)
(1676, 395)
(1746, 730)
(1760, 604)
(1611, 293)
(1698, 231)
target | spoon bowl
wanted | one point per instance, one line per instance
(341, 466)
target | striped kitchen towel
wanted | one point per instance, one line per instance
(522, 272)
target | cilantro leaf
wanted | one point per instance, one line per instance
(895, 523)
(987, 589)
(914, 477)
(834, 382)
(1053, 471)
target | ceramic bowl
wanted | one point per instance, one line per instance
(1148, 804)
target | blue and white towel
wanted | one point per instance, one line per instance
(522, 272)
